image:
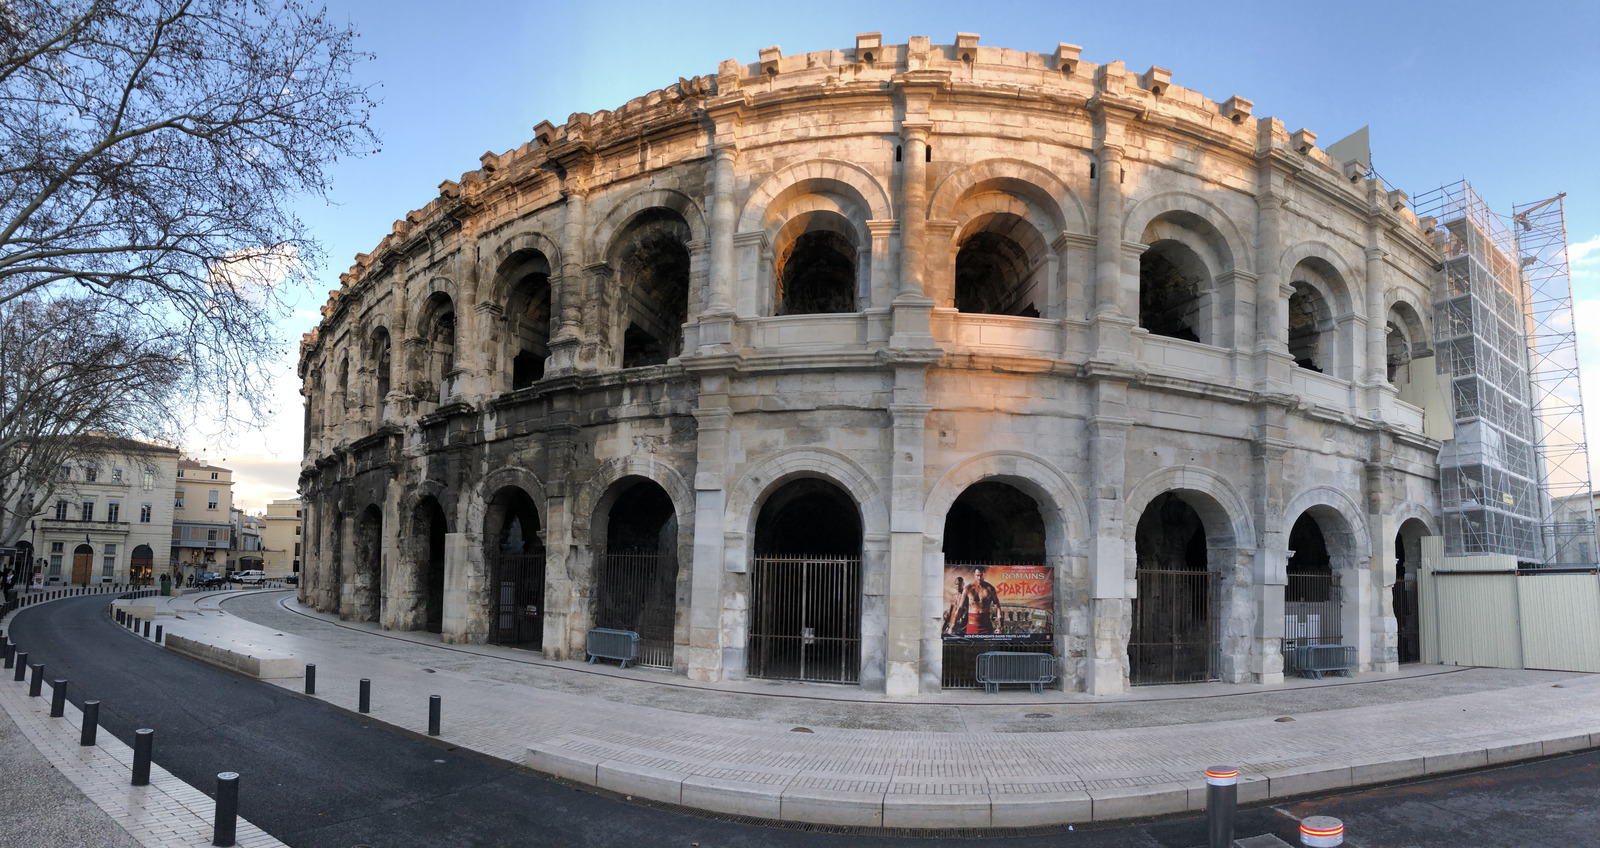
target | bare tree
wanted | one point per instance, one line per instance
(150, 151)
(74, 373)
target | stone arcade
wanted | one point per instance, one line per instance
(742, 364)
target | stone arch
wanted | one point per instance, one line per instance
(1225, 514)
(1066, 519)
(510, 245)
(616, 220)
(829, 250)
(812, 177)
(494, 481)
(1015, 177)
(1412, 510)
(1338, 503)
(596, 493)
(1331, 264)
(424, 299)
(1329, 339)
(1194, 212)
(760, 480)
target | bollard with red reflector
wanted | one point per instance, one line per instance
(1321, 832)
(1222, 801)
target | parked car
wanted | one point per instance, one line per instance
(292, 580)
(208, 580)
(254, 575)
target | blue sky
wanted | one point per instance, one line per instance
(1501, 94)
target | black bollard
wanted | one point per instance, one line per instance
(58, 698)
(36, 682)
(1222, 801)
(91, 722)
(22, 666)
(311, 678)
(143, 740)
(365, 705)
(158, 634)
(119, 615)
(10, 653)
(433, 715)
(147, 628)
(227, 818)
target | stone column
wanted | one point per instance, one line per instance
(564, 346)
(1108, 227)
(724, 212)
(708, 636)
(883, 233)
(1110, 588)
(913, 207)
(903, 651)
(462, 616)
(1377, 315)
(344, 591)
(1270, 573)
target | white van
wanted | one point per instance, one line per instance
(252, 576)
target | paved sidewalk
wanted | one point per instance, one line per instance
(837, 755)
(165, 813)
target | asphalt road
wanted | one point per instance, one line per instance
(314, 775)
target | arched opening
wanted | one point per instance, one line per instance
(817, 269)
(314, 402)
(1171, 280)
(366, 588)
(82, 564)
(141, 566)
(527, 315)
(1408, 566)
(1309, 322)
(638, 577)
(1311, 600)
(345, 401)
(1405, 341)
(437, 327)
(1000, 268)
(998, 593)
(381, 363)
(805, 585)
(654, 264)
(514, 539)
(1175, 637)
(428, 530)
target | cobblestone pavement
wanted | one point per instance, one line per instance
(813, 753)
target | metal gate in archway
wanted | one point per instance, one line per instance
(638, 591)
(805, 618)
(1175, 636)
(518, 614)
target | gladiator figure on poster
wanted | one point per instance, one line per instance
(998, 603)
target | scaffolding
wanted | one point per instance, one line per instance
(1504, 334)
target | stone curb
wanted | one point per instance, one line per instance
(793, 803)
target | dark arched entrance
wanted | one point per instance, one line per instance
(513, 536)
(1408, 565)
(1311, 610)
(805, 586)
(141, 566)
(428, 530)
(993, 536)
(1175, 637)
(366, 587)
(82, 562)
(637, 585)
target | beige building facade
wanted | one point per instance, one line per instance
(109, 518)
(202, 525)
(847, 366)
(281, 538)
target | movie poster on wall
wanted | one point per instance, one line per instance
(999, 603)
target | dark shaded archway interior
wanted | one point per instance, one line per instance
(992, 276)
(1169, 290)
(382, 363)
(516, 562)
(637, 584)
(819, 275)
(654, 264)
(994, 522)
(1408, 566)
(1307, 314)
(528, 315)
(1310, 560)
(1174, 639)
(805, 585)
(808, 516)
(429, 529)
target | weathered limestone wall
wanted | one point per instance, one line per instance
(1080, 173)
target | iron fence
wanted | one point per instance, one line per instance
(519, 600)
(638, 591)
(805, 618)
(1175, 635)
(1311, 611)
